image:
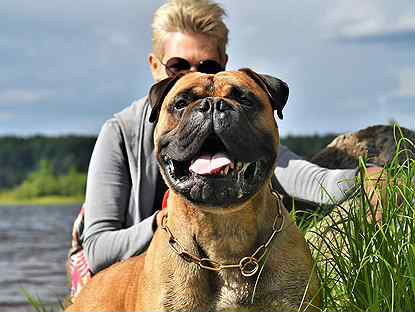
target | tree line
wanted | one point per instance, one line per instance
(41, 165)
(21, 156)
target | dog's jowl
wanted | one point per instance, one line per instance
(227, 243)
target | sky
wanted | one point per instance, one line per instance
(67, 66)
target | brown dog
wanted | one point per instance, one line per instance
(228, 244)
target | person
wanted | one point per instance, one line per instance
(124, 187)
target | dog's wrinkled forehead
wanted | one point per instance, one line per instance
(269, 89)
(200, 84)
(225, 84)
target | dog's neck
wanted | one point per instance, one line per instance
(224, 235)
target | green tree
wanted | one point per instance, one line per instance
(41, 182)
(72, 184)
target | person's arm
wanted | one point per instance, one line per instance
(105, 238)
(309, 182)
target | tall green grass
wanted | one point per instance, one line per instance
(39, 306)
(366, 265)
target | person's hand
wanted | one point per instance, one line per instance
(375, 185)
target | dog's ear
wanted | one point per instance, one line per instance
(276, 89)
(157, 94)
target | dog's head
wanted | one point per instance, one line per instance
(216, 137)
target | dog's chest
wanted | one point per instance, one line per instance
(208, 292)
(233, 292)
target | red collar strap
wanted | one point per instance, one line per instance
(165, 198)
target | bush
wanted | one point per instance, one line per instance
(73, 184)
(43, 182)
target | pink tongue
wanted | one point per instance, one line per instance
(210, 164)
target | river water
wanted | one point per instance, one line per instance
(34, 242)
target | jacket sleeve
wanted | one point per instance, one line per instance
(306, 181)
(105, 238)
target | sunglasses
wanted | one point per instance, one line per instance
(178, 65)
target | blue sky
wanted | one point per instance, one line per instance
(67, 66)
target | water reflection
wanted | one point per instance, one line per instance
(34, 242)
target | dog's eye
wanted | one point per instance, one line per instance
(180, 104)
(244, 99)
(242, 96)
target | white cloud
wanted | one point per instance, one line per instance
(407, 22)
(355, 19)
(5, 116)
(21, 96)
(407, 83)
(119, 39)
(405, 90)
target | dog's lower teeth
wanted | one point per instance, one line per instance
(239, 165)
(225, 171)
(244, 167)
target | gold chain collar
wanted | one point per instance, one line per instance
(248, 266)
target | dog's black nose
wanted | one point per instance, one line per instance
(222, 106)
(218, 104)
(205, 105)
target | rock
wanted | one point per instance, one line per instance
(377, 144)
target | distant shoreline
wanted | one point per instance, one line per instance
(7, 199)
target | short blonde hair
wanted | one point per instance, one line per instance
(189, 16)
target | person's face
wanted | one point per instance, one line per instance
(189, 46)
